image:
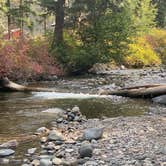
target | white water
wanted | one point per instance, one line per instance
(58, 95)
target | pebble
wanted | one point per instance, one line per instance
(32, 151)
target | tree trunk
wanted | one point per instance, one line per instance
(8, 86)
(9, 20)
(147, 91)
(59, 23)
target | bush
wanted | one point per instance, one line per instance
(75, 57)
(157, 39)
(141, 54)
(28, 59)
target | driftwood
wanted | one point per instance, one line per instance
(146, 91)
(8, 86)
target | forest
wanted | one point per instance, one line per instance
(41, 38)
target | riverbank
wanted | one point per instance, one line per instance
(74, 140)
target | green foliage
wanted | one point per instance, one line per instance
(161, 12)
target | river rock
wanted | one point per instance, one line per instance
(160, 99)
(85, 150)
(42, 130)
(55, 136)
(45, 162)
(9, 144)
(35, 162)
(32, 150)
(75, 109)
(93, 133)
(6, 152)
(57, 161)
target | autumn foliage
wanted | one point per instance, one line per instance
(27, 59)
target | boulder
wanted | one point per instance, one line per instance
(160, 99)
(85, 150)
(93, 133)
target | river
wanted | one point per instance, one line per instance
(21, 113)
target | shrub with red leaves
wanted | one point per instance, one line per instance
(27, 59)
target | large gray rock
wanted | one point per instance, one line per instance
(85, 150)
(55, 136)
(6, 152)
(93, 133)
(160, 99)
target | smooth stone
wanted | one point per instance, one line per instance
(45, 162)
(47, 157)
(60, 120)
(6, 152)
(32, 150)
(76, 109)
(69, 150)
(57, 161)
(85, 150)
(59, 142)
(55, 136)
(35, 162)
(54, 111)
(43, 140)
(42, 130)
(160, 99)
(163, 150)
(9, 144)
(93, 133)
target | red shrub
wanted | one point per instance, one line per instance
(26, 59)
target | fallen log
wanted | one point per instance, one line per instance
(146, 91)
(8, 86)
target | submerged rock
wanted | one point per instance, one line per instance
(160, 99)
(93, 133)
(6, 152)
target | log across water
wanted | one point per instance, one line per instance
(8, 86)
(146, 91)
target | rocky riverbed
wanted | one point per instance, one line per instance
(72, 139)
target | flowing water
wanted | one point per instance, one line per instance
(21, 113)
